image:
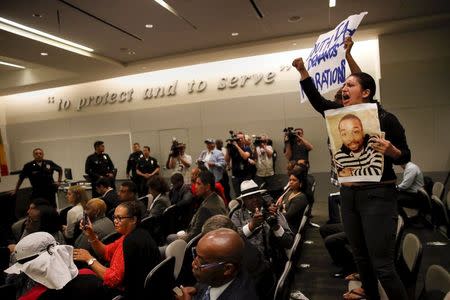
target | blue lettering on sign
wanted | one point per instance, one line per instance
(330, 77)
(327, 48)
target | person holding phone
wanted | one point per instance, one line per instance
(130, 257)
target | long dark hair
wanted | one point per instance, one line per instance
(367, 83)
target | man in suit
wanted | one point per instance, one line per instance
(217, 268)
(108, 194)
(211, 205)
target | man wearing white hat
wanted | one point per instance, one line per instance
(212, 159)
(260, 222)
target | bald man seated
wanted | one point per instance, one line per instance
(217, 268)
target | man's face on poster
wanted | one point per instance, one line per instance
(352, 134)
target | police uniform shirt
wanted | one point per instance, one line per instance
(147, 165)
(132, 162)
(98, 165)
(40, 174)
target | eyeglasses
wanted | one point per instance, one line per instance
(120, 218)
(206, 266)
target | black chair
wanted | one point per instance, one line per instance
(160, 280)
(112, 237)
(408, 263)
(7, 292)
(233, 206)
(185, 276)
(439, 215)
(63, 214)
(282, 288)
(153, 225)
(170, 220)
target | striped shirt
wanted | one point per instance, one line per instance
(365, 163)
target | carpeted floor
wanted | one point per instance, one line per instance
(312, 273)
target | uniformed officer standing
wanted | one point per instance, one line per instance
(40, 173)
(132, 162)
(146, 167)
(99, 165)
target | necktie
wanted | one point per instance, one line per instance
(206, 295)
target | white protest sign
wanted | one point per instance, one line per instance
(326, 62)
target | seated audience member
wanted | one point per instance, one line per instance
(294, 202)
(338, 247)
(128, 192)
(76, 196)
(253, 261)
(45, 270)
(217, 266)
(107, 194)
(408, 190)
(41, 218)
(158, 188)
(263, 225)
(102, 226)
(181, 196)
(211, 204)
(131, 256)
(19, 226)
(218, 186)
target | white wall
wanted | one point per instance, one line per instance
(414, 86)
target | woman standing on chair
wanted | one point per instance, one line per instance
(369, 210)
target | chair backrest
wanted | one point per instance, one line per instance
(233, 206)
(409, 262)
(185, 276)
(160, 281)
(292, 251)
(304, 219)
(281, 290)
(448, 201)
(113, 236)
(438, 189)
(177, 249)
(170, 220)
(437, 279)
(153, 226)
(439, 211)
(399, 235)
(425, 197)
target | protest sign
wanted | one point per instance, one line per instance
(326, 62)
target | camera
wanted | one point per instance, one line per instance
(290, 133)
(257, 141)
(176, 147)
(233, 137)
(270, 219)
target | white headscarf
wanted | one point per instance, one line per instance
(41, 258)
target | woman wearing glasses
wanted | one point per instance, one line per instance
(130, 257)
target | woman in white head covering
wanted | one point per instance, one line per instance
(42, 266)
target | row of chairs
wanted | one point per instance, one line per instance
(282, 288)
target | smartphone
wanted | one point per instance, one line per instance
(85, 219)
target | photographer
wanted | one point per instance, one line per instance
(296, 147)
(263, 158)
(212, 160)
(178, 160)
(261, 224)
(238, 154)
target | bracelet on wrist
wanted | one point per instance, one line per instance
(93, 240)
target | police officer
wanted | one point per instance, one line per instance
(40, 173)
(146, 167)
(132, 162)
(99, 165)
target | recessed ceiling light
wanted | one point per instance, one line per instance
(44, 53)
(234, 33)
(36, 15)
(144, 68)
(294, 19)
(332, 3)
(148, 25)
(131, 52)
(294, 44)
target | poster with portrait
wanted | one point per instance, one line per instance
(351, 131)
